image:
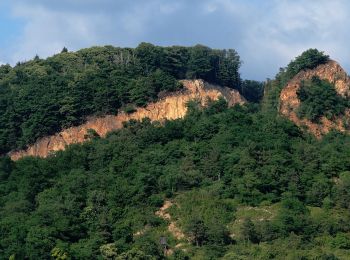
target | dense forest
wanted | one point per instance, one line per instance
(42, 96)
(244, 183)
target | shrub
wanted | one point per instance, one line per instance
(319, 98)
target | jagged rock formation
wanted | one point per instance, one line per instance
(289, 101)
(172, 106)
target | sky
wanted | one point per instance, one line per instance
(267, 34)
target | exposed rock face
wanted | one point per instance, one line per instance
(170, 107)
(289, 101)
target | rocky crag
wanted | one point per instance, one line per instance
(172, 106)
(289, 101)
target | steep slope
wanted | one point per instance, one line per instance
(289, 101)
(170, 107)
(41, 97)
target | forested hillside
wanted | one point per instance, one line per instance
(309, 59)
(42, 96)
(221, 183)
(101, 194)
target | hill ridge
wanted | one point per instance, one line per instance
(172, 106)
(289, 101)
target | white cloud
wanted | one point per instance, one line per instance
(267, 34)
(47, 31)
(49, 26)
(277, 31)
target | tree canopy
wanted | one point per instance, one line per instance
(319, 98)
(42, 96)
(98, 199)
(242, 182)
(309, 59)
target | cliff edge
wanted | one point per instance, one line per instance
(170, 107)
(289, 101)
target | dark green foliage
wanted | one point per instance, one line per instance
(341, 241)
(40, 97)
(319, 98)
(204, 217)
(92, 199)
(252, 90)
(293, 216)
(342, 190)
(5, 168)
(249, 232)
(199, 63)
(98, 200)
(309, 59)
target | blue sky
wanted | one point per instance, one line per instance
(266, 33)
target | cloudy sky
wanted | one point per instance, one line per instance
(266, 33)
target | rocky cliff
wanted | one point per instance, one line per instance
(289, 101)
(172, 106)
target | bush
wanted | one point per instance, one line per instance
(309, 59)
(319, 98)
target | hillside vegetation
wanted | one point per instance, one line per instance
(319, 98)
(42, 96)
(309, 59)
(241, 182)
(95, 197)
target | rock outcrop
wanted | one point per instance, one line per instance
(289, 101)
(170, 107)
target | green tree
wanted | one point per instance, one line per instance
(249, 232)
(252, 90)
(199, 66)
(342, 190)
(309, 59)
(293, 216)
(319, 98)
